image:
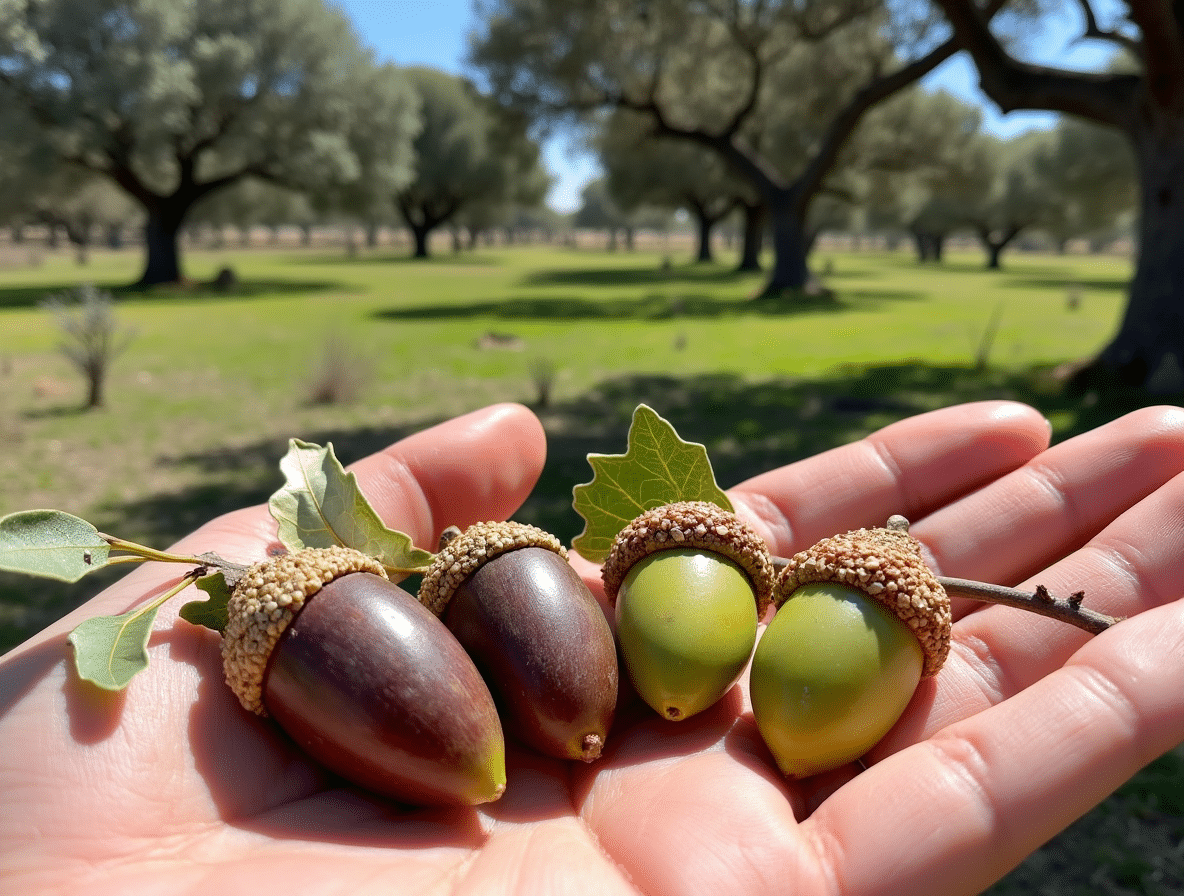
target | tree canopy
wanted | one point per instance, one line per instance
(777, 89)
(172, 101)
(1144, 101)
(470, 154)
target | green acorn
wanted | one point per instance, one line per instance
(688, 581)
(861, 620)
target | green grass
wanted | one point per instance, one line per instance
(202, 404)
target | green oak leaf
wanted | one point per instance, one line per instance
(212, 612)
(658, 468)
(321, 506)
(51, 544)
(110, 650)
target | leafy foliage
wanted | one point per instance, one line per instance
(110, 650)
(175, 101)
(321, 506)
(211, 613)
(51, 543)
(658, 468)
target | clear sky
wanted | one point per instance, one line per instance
(435, 33)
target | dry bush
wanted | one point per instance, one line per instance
(341, 375)
(94, 339)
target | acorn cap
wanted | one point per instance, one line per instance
(698, 525)
(885, 564)
(459, 557)
(265, 600)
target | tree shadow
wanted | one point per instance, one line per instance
(610, 277)
(247, 288)
(651, 306)
(1117, 283)
(403, 257)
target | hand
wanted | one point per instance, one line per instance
(170, 787)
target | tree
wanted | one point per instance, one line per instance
(642, 169)
(598, 211)
(1146, 106)
(713, 74)
(175, 101)
(1015, 197)
(1090, 172)
(469, 153)
(921, 162)
(41, 190)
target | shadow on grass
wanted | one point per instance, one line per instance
(752, 426)
(598, 277)
(651, 306)
(32, 296)
(387, 256)
(1101, 284)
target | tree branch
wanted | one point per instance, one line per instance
(1093, 32)
(1105, 98)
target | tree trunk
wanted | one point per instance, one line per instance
(791, 244)
(1149, 347)
(160, 238)
(420, 235)
(94, 388)
(705, 224)
(754, 237)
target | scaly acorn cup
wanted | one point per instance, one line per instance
(689, 582)
(861, 620)
(363, 678)
(536, 633)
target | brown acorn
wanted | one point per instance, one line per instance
(363, 678)
(508, 594)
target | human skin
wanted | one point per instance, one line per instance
(170, 787)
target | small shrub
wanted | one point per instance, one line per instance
(341, 375)
(542, 373)
(94, 339)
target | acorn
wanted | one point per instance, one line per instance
(861, 619)
(689, 581)
(363, 678)
(508, 594)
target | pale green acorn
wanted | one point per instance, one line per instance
(861, 620)
(689, 581)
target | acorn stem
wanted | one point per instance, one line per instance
(1039, 601)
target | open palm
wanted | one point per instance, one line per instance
(170, 787)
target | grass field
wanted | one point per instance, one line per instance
(213, 384)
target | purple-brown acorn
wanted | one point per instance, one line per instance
(508, 594)
(363, 678)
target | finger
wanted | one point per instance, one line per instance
(1022, 522)
(1128, 568)
(967, 805)
(697, 808)
(910, 467)
(478, 467)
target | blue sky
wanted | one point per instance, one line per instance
(435, 33)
